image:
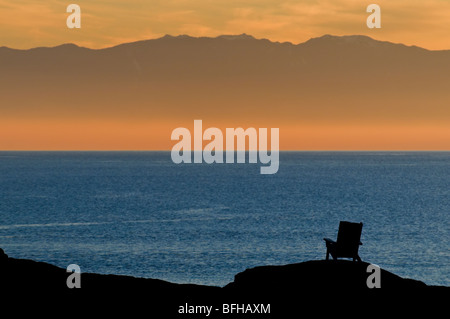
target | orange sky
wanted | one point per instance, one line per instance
(25, 24)
(113, 135)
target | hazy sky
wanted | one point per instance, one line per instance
(26, 23)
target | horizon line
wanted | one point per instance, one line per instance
(342, 151)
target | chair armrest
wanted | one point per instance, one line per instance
(328, 240)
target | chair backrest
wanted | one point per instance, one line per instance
(348, 238)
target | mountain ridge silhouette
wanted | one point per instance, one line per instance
(326, 37)
(325, 79)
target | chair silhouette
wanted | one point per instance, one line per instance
(347, 243)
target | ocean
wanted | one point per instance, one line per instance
(139, 214)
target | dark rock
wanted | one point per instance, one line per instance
(325, 287)
(3, 256)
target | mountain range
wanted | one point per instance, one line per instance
(329, 79)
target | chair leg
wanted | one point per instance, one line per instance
(330, 251)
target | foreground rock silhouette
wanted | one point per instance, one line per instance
(326, 287)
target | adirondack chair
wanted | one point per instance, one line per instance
(347, 243)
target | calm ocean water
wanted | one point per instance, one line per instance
(137, 213)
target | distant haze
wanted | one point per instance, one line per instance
(328, 93)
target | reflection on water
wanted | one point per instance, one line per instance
(137, 213)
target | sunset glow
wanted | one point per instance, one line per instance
(107, 121)
(25, 24)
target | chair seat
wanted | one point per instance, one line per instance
(347, 243)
